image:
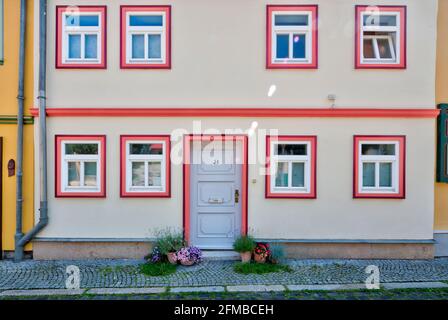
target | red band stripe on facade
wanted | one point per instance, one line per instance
(240, 112)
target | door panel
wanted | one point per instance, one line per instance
(215, 181)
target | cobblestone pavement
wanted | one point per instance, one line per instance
(126, 273)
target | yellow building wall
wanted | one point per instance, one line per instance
(441, 192)
(8, 107)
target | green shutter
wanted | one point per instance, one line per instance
(442, 144)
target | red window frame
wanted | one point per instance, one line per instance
(401, 194)
(314, 56)
(312, 194)
(125, 194)
(124, 9)
(58, 168)
(60, 64)
(403, 37)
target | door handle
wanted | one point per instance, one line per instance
(237, 195)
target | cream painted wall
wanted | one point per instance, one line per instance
(218, 60)
(333, 215)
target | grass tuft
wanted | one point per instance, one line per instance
(158, 269)
(259, 268)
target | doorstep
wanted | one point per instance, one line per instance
(213, 255)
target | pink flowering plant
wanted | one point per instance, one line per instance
(187, 254)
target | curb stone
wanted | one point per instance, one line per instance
(256, 288)
(326, 287)
(197, 289)
(42, 292)
(126, 290)
(414, 285)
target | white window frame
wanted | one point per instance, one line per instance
(82, 31)
(291, 30)
(290, 159)
(395, 50)
(377, 159)
(145, 31)
(82, 158)
(146, 158)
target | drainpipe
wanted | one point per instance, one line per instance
(43, 220)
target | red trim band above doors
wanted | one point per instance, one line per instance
(240, 112)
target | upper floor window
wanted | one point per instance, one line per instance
(145, 36)
(145, 166)
(291, 167)
(379, 166)
(291, 36)
(80, 166)
(81, 37)
(380, 37)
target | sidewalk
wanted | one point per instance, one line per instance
(98, 276)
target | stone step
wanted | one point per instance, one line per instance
(220, 255)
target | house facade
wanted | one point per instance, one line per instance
(9, 78)
(441, 189)
(309, 123)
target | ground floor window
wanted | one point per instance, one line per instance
(379, 166)
(145, 166)
(291, 166)
(80, 166)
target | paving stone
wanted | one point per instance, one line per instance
(127, 290)
(255, 288)
(197, 289)
(414, 285)
(41, 292)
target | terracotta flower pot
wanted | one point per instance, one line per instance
(245, 256)
(187, 262)
(259, 258)
(172, 257)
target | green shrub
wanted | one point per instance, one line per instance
(277, 253)
(158, 269)
(259, 268)
(244, 244)
(169, 240)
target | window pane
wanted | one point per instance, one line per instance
(91, 46)
(368, 49)
(298, 46)
(90, 174)
(281, 175)
(81, 148)
(74, 170)
(146, 21)
(82, 20)
(154, 46)
(378, 149)
(368, 174)
(138, 174)
(138, 46)
(386, 174)
(384, 49)
(154, 174)
(74, 46)
(146, 148)
(291, 20)
(298, 174)
(380, 20)
(290, 150)
(282, 46)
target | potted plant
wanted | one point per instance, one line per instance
(277, 253)
(244, 245)
(261, 252)
(169, 243)
(189, 255)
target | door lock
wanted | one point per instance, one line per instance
(237, 195)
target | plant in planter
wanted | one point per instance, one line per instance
(277, 253)
(261, 252)
(244, 245)
(169, 242)
(189, 255)
(155, 256)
